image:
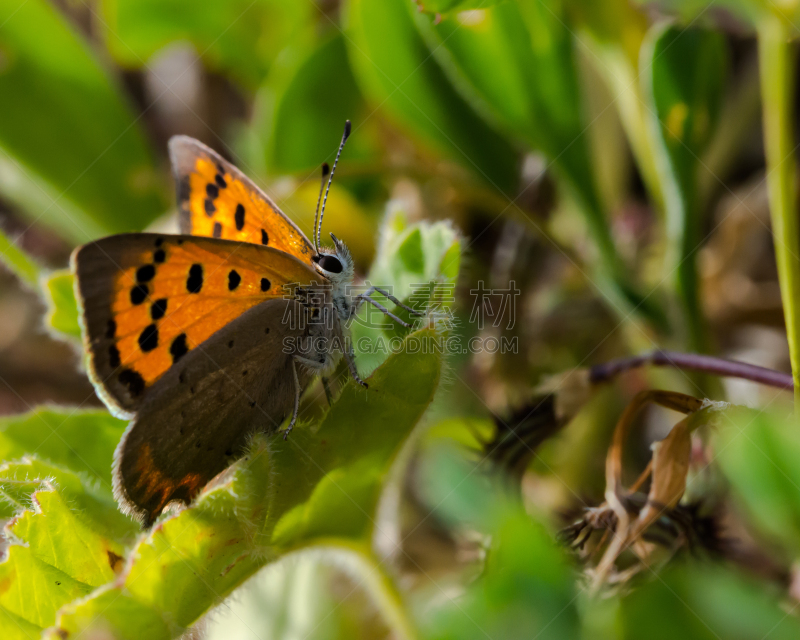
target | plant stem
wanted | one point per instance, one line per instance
(778, 67)
(692, 362)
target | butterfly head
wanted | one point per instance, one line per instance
(335, 265)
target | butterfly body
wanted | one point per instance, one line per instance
(200, 339)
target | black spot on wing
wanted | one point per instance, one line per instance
(220, 181)
(209, 207)
(159, 256)
(178, 348)
(265, 284)
(139, 293)
(158, 309)
(212, 191)
(239, 216)
(148, 338)
(217, 233)
(233, 280)
(264, 237)
(145, 273)
(194, 283)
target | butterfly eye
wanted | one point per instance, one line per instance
(330, 263)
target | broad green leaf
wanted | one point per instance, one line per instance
(239, 37)
(281, 496)
(62, 308)
(685, 84)
(759, 453)
(19, 479)
(17, 628)
(72, 154)
(397, 73)
(70, 541)
(77, 439)
(34, 590)
(64, 539)
(18, 262)
(704, 603)
(310, 111)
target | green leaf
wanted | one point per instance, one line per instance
(70, 541)
(396, 72)
(34, 590)
(17, 628)
(20, 479)
(239, 37)
(759, 453)
(685, 104)
(71, 152)
(704, 603)
(281, 496)
(310, 111)
(77, 439)
(19, 263)
(84, 554)
(62, 308)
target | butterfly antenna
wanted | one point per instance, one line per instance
(345, 135)
(325, 171)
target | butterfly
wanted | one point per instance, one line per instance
(202, 338)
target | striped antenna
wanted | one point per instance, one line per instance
(325, 171)
(345, 135)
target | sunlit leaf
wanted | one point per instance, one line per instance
(62, 308)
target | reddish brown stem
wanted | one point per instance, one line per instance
(692, 362)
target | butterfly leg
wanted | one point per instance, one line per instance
(288, 429)
(383, 292)
(351, 364)
(382, 309)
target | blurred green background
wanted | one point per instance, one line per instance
(628, 167)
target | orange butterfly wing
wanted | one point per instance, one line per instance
(147, 299)
(217, 200)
